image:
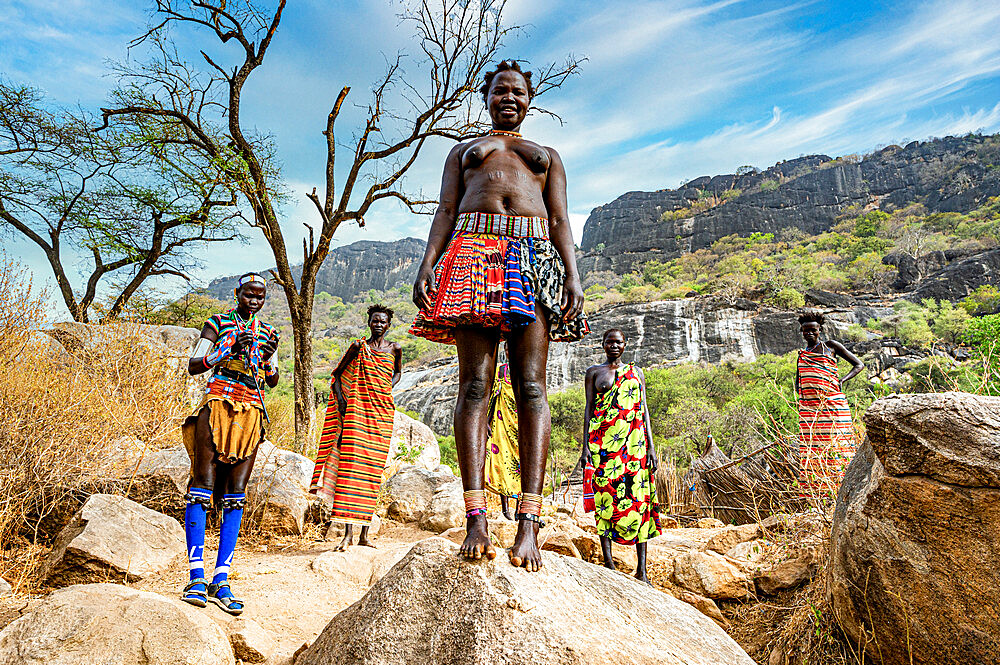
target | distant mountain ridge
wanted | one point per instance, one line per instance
(354, 269)
(952, 174)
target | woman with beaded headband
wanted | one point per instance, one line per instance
(224, 432)
(500, 264)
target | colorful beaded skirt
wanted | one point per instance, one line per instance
(493, 272)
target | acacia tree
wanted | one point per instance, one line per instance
(120, 207)
(457, 40)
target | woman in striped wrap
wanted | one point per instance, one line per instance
(358, 427)
(826, 433)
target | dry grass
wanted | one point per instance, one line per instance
(70, 420)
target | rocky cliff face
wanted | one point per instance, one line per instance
(354, 269)
(944, 175)
(662, 333)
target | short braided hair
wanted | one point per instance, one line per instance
(506, 66)
(379, 308)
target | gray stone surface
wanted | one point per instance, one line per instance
(434, 609)
(110, 624)
(112, 537)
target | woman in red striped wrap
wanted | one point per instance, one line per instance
(826, 433)
(358, 427)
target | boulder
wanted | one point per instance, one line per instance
(561, 542)
(409, 492)
(110, 623)
(43, 345)
(173, 463)
(279, 489)
(750, 553)
(434, 609)
(113, 537)
(445, 510)
(413, 443)
(731, 536)
(709, 523)
(361, 566)
(704, 605)
(250, 642)
(710, 574)
(915, 561)
(5, 588)
(589, 546)
(790, 573)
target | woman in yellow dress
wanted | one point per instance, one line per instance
(503, 462)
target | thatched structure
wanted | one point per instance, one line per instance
(748, 488)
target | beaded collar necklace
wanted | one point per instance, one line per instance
(502, 132)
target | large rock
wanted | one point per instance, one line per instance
(710, 574)
(434, 609)
(112, 537)
(915, 549)
(173, 463)
(445, 510)
(409, 492)
(279, 489)
(113, 625)
(413, 443)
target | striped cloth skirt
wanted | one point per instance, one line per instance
(493, 273)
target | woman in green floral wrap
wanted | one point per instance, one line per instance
(619, 450)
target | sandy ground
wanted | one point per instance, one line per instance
(283, 593)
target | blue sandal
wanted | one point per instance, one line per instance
(196, 597)
(230, 603)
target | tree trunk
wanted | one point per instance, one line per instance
(305, 394)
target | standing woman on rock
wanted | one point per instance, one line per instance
(503, 461)
(618, 445)
(357, 430)
(223, 434)
(826, 433)
(500, 264)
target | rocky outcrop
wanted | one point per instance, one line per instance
(959, 278)
(433, 608)
(109, 623)
(914, 549)
(806, 193)
(413, 443)
(409, 493)
(445, 510)
(250, 641)
(111, 537)
(279, 489)
(660, 333)
(353, 269)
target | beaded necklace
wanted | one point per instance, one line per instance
(502, 132)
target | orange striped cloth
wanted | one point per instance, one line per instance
(350, 474)
(826, 433)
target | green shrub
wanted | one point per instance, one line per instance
(769, 185)
(855, 333)
(984, 300)
(788, 298)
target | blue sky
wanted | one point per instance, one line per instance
(671, 90)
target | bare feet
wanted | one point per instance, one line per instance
(477, 540)
(344, 544)
(641, 576)
(364, 542)
(505, 508)
(524, 553)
